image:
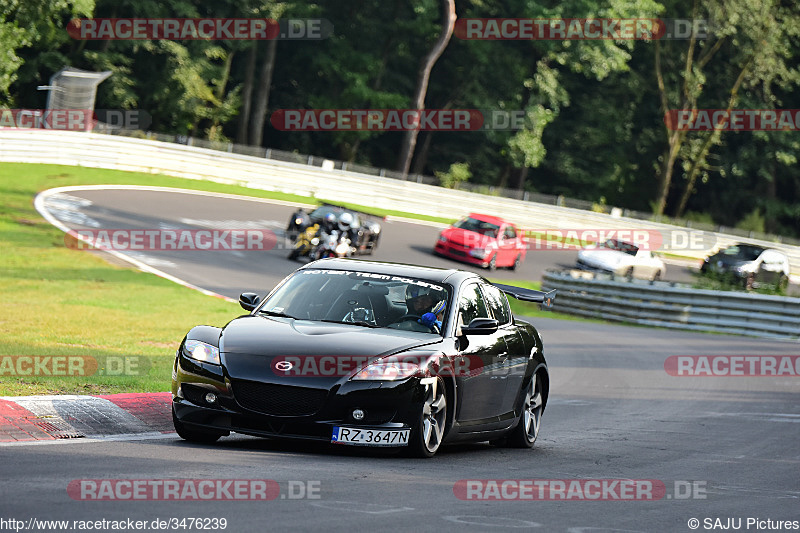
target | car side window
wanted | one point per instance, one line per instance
(471, 304)
(510, 232)
(498, 303)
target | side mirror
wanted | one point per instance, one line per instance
(249, 300)
(480, 326)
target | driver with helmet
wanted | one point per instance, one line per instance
(428, 304)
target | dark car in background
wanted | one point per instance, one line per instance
(750, 264)
(341, 352)
(368, 229)
(483, 240)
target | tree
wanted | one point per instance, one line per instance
(26, 23)
(749, 43)
(410, 136)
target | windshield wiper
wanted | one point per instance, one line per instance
(358, 323)
(276, 313)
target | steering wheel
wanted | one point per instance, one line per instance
(408, 316)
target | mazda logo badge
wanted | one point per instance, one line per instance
(284, 366)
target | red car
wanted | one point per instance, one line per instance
(483, 240)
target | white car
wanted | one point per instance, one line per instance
(622, 258)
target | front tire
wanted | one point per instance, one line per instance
(193, 435)
(427, 436)
(525, 432)
(492, 263)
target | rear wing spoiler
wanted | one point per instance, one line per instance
(529, 295)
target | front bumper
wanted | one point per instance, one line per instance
(460, 253)
(290, 409)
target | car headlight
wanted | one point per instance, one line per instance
(386, 371)
(200, 351)
(479, 253)
(442, 238)
(376, 229)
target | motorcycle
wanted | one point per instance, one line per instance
(306, 241)
(331, 245)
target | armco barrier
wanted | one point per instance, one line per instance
(125, 153)
(673, 306)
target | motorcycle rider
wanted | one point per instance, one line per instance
(328, 225)
(329, 229)
(347, 228)
(304, 243)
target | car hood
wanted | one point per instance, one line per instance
(605, 257)
(471, 239)
(250, 344)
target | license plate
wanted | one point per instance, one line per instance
(370, 437)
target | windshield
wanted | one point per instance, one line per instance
(744, 252)
(620, 246)
(478, 226)
(360, 298)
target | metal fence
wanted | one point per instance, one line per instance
(673, 305)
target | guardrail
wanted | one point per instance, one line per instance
(141, 155)
(672, 305)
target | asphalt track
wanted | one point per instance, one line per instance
(614, 413)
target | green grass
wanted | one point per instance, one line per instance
(57, 301)
(61, 302)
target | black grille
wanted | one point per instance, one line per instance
(278, 400)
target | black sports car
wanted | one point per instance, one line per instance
(368, 229)
(373, 354)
